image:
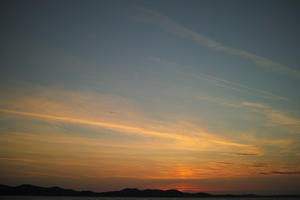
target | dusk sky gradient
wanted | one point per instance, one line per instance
(190, 95)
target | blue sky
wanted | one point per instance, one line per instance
(187, 93)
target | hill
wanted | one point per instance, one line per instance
(32, 190)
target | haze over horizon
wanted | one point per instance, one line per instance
(188, 95)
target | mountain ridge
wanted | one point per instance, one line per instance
(32, 190)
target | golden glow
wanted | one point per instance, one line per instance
(135, 147)
(184, 139)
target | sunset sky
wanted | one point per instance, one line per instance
(191, 95)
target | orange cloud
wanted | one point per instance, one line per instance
(117, 127)
(165, 150)
(184, 139)
(274, 116)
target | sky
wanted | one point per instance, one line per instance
(189, 95)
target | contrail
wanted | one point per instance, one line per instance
(153, 17)
(128, 129)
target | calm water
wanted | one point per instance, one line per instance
(110, 198)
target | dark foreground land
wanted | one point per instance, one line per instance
(32, 190)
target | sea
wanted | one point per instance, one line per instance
(130, 198)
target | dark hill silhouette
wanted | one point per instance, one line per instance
(132, 192)
(32, 190)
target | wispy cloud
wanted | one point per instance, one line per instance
(256, 105)
(28, 149)
(246, 154)
(192, 141)
(222, 83)
(236, 86)
(281, 173)
(286, 173)
(220, 101)
(222, 163)
(117, 127)
(19, 159)
(274, 116)
(255, 165)
(99, 111)
(283, 145)
(150, 16)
